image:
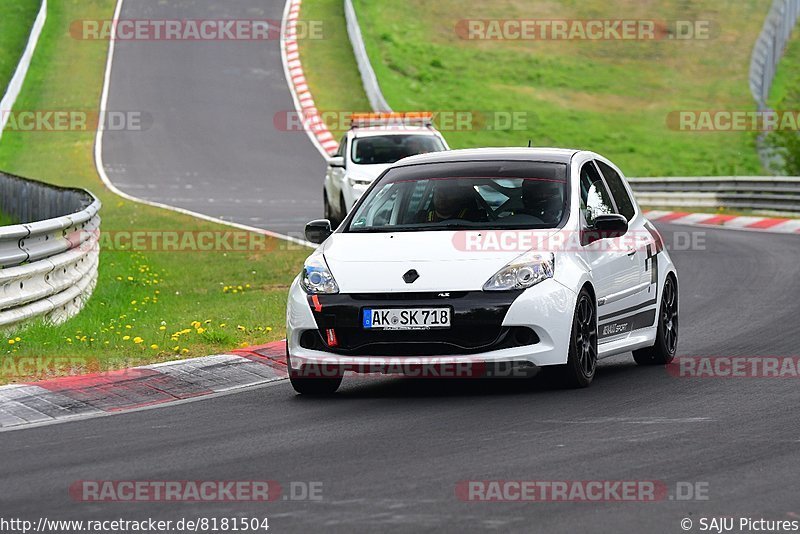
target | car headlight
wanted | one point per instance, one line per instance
(523, 272)
(316, 278)
(358, 182)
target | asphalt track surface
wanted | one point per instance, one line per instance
(210, 143)
(389, 451)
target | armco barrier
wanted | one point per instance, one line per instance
(368, 77)
(778, 194)
(767, 53)
(49, 260)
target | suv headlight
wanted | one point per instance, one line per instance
(316, 278)
(523, 272)
(358, 181)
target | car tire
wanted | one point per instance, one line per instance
(314, 386)
(666, 345)
(581, 364)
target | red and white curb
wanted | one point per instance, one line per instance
(734, 222)
(77, 397)
(304, 103)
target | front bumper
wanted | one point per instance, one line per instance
(530, 327)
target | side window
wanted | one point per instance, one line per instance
(618, 191)
(342, 145)
(381, 210)
(595, 200)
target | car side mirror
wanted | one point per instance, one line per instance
(607, 226)
(336, 161)
(318, 231)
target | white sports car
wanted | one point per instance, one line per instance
(373, 142)
(484, 262)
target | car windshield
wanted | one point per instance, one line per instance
(382, 149)
(465, 195)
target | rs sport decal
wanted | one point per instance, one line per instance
(626, 324)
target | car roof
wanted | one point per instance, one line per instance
(373, 131)
(554, 155)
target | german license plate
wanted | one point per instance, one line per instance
(406, 318)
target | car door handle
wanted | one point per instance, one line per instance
(631, 251)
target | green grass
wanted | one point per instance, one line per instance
(612, 97)
(138, 293)
(330, 68)
(6, 220)
(787, 77)
(16, 19)
(785, 96)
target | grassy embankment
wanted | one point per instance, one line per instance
(613, 97)
(148, 306)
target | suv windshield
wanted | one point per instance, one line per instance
(465, 195)
(384, 149)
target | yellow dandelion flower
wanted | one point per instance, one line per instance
(137, 340)
(125, 338)
(154, 346)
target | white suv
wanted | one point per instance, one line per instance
(373, 143)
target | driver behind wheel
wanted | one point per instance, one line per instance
(543, 200)
(453, 201)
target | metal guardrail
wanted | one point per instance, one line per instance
(776, 194)
(368, 77)
(769, 47)
(767, 53)
(49, 260)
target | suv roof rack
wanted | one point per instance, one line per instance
(411, 118)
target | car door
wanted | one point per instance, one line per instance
(615, 269)
(637, 309)
(334, 176)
